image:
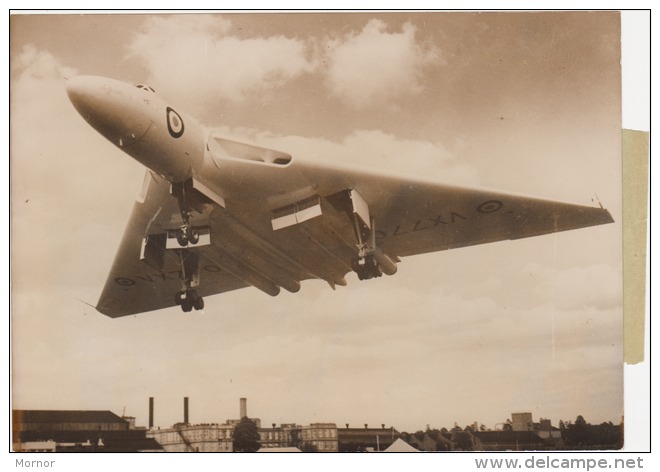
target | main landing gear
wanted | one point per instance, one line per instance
(370, 261)
(188, 298)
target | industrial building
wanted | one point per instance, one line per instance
(366, 439)
(77, 431)
(218, 437)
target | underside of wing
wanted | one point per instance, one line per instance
(270, 221)
(145, 275)
(415, 216)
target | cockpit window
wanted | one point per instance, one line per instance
(145, 87)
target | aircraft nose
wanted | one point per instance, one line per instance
(108, 106)
(80, 93)
(85, 93)
(91, 97)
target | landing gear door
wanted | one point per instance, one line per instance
(153, 250)
(360, 207)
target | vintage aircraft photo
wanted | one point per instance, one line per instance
(216, 215)
(399, 218)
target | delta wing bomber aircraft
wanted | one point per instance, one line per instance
(216, 215)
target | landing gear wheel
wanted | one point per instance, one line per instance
(186, 305)
(188, 300)
(367, 268)
(182, 237)
(194, 236)
(373, 268)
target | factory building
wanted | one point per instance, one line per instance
(77, 431)
(216, 437)
(366, 439)
(194, 438)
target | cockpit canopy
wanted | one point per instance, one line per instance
(145, 87)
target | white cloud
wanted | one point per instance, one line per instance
(377, 65)
(58, 184)
(193, 58)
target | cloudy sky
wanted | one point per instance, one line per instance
(523, 102)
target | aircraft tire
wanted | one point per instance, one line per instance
(181, 238)
(194, 236)
(186, 305)
(199, 303)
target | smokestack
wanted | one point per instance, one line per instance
(185, 410)
(243, 408)
(151, 412)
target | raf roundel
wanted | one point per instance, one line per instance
(174, 123)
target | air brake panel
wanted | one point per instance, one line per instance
(309, 208)
(297, 213)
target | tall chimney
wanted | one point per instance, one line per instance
(185, 410)
(243, 408)
(151, 412)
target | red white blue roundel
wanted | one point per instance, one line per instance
(174, 123)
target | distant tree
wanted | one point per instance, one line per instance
(587, 436)
(246, 436)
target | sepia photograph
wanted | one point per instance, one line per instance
(316, 231)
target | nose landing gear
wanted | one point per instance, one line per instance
(186, 197)
(187, 234)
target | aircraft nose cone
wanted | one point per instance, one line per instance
(108, 106)
(85, 94)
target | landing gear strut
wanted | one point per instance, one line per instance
(188, 298)
(371, 261)
(186, 233)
